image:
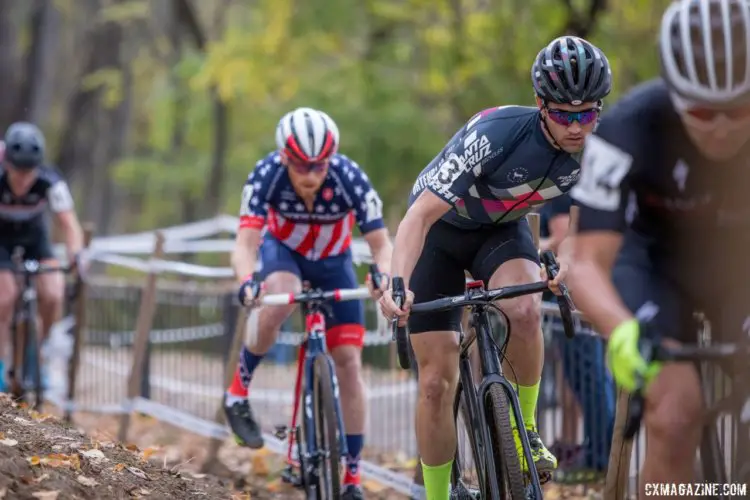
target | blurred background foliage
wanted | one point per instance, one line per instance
(158, 110)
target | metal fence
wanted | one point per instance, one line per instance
(189, 346)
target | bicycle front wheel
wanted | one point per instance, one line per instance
(510, 478)
(326, 430)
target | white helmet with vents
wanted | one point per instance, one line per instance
(307, 135)
(705, 50)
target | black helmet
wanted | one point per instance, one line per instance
(571, 70)
(704, 48)
(24, 145)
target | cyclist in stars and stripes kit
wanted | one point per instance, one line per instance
(308, 198)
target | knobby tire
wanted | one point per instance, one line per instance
(503, 446)
(326, 430)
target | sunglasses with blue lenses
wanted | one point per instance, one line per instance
(566, 118)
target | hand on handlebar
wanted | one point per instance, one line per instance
(377, 282)
(391, 310)
(629, 368)
(250, 292)
(562, 271)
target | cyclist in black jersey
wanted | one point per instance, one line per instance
(664, 203)
(466, 213)
(27, 189)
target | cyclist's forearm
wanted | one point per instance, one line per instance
(245, 254)
(73, 237)
(596, 297)
(408, 246)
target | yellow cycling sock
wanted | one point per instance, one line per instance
(437, 480)
(527, 396)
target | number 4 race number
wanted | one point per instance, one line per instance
(603, 167)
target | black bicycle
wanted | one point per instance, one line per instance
(485, 409)
(733, 358)
(26, 364)
(321, 441)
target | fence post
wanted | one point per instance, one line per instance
(234, 357)
(78, 328)
(618, 472)
(143, 329)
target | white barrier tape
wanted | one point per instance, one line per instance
(178, 386)
(393, 480)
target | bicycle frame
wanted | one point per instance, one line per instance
(492, 373)
(312, 345)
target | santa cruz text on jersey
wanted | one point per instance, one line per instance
(346, 196)
(497, 167)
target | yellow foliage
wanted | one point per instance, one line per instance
(110, 81)
(124, 12)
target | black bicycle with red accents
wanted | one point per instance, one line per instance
(486, 408)
(320, 436)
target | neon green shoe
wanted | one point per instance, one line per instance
(544, 460)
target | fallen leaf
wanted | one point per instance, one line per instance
(373, 486)
(118, 467)
(260, 465)
(131, 447)
(53, 462)
(35, 460)
(138, 472)
(86, 481)
(46, 495)
(147, 453)
(8, 442)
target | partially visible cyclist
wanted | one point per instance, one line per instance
(309, 198)
(665, 199)
(467, 212)
(28, 188)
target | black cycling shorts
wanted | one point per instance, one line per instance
(449, 251)
(650, 288)
(37, 247)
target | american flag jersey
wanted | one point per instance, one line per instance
(346, 196)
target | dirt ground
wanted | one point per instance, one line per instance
(255, 474)
(42, 458)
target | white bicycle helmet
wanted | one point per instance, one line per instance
(307, 135)
(705, 50)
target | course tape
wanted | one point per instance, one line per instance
(390, 479)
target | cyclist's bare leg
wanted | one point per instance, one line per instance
(265, 332)
(270, 318)
(526, 347)
(8, 297)
(525, 352)
(51, 295)
(348, 361)
(674, 408)
(437, 360)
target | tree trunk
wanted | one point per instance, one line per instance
(35, 97)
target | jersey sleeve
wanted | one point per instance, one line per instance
(465, 158)
(255, 197)
(366, 203)
(607, 168)
(58, 193)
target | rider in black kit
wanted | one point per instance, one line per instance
(28, 188)
(665, 182)
(466, 213)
